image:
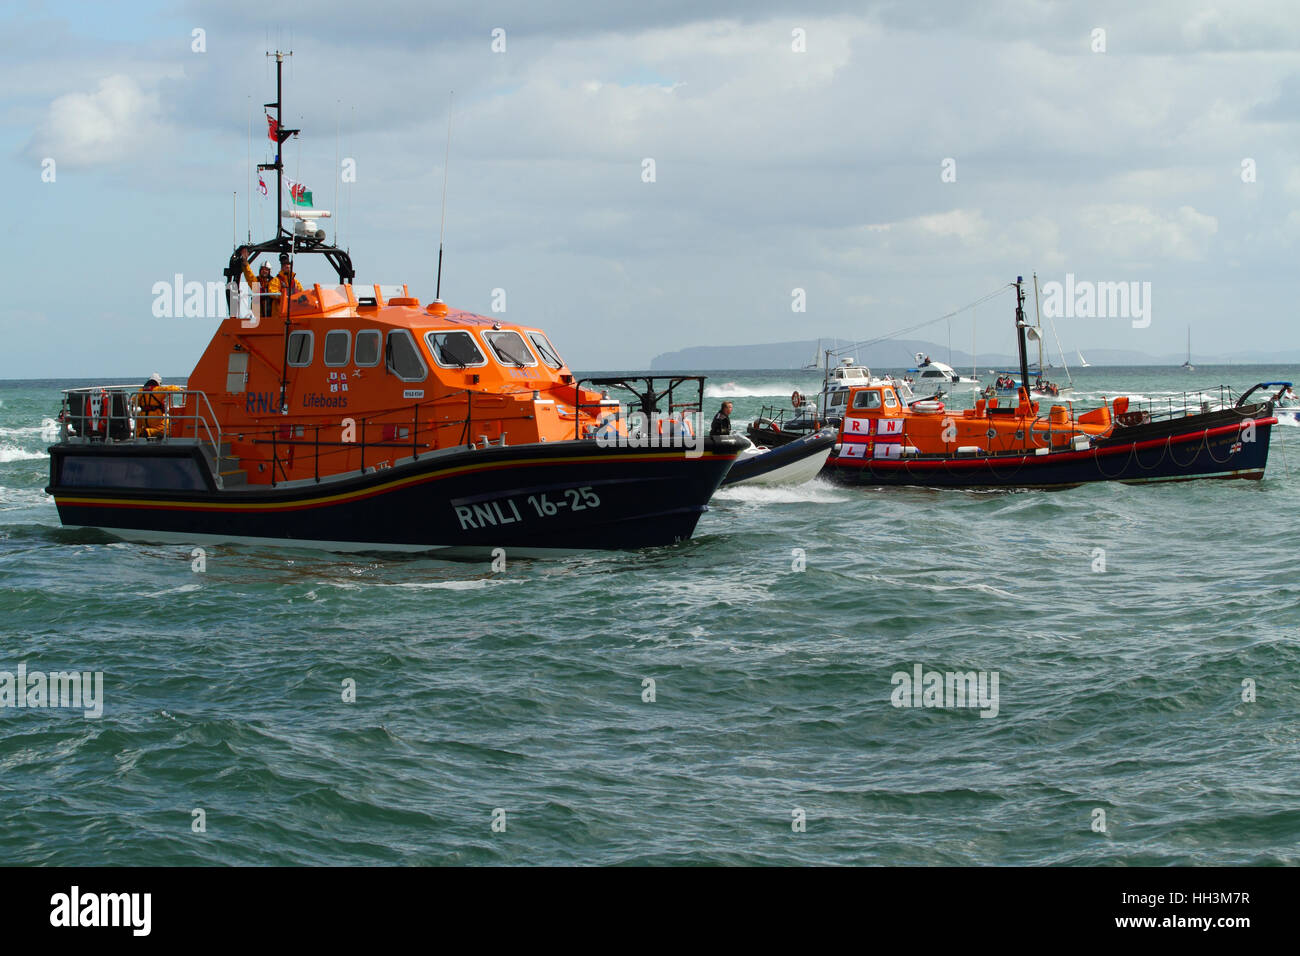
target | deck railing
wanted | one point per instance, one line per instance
(113, 414)
(651, 401)
(116, 414)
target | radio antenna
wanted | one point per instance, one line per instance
(442, 228)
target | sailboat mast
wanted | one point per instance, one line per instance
(1038, 319)
(1059, 349)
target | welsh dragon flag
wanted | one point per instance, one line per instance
(299, 194)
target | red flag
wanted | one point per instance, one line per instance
(261, 184)
(273, 129)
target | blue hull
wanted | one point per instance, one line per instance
(1209, 453)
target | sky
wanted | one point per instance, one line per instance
(891, 161)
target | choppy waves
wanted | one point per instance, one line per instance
(675, 705)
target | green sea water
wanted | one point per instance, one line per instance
(1146, 642)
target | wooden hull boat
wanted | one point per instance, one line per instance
(885, 441)
(1210, 448)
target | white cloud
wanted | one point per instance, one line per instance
(965, 224)
(86, 129)
(1144, 234)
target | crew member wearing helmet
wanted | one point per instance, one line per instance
(277, 286)
(262, 282)
(151, 409)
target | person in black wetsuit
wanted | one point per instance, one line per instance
(722, 421)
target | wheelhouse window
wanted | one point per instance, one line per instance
(300, 345)
(546, 350)
(932, 373)
(510, 349)
(338, 343)
(456, 349)
(868, 398)
(403, 358)
(890, 400)
(367, 348)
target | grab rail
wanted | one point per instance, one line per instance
(80, 420)
(391, 418)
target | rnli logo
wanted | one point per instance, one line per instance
(261, 403)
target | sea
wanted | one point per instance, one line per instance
(823, 675)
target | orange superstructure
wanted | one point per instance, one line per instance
(878, 424)
(356, 374)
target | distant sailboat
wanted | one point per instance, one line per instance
(1188, 364)
(817, 357)
(1082, 361)
(1041, 386)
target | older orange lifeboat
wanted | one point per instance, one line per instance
(886, 441)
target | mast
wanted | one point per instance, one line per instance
(281, 233)
(282, 134)
(442, 228)
(285, 240)
(1038, 318)
(1020, 336)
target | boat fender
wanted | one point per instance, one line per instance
(970, 450)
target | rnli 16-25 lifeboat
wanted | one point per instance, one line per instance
(356, 418)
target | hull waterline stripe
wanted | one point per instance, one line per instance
(360, 494)
(887, 464)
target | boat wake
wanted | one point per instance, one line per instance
(10, 453)
(767, 390)
(23, 496)
(47, 430)
(816, 491)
